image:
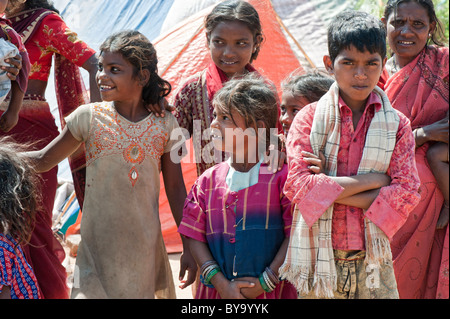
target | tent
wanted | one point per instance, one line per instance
(295, 38)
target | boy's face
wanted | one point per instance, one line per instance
(356, 74)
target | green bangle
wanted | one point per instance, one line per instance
(263, 284)
(210, 275)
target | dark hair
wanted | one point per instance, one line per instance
(40, 4)
(438, 34)
(19, 197)
(357, 28)
(311, 86)
(236, 10)
(253, 98)
(138, 51)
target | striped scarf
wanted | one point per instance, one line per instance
(309, 262)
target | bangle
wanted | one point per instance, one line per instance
(208, 270)
(268, 280)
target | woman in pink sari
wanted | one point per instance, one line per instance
(416, 82)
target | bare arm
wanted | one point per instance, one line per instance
(91, 65)
(10, 117)
(176, 194)
(60, 148)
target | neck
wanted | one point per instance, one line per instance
(133, 112)
(244, 163)
(13, 8)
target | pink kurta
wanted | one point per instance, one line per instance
(420, 91)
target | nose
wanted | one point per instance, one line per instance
(360, 73)
(228, 51)
(406, 29)
(286, 119)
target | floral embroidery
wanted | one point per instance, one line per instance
(134, 142)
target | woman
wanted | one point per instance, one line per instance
(44, 33)
(416, 82)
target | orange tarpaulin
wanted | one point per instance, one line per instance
(182, 52)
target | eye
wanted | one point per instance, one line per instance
(283, 110)
(295, 111)
(100, 67)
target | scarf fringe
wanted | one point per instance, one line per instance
(378, 251)
(304, 281)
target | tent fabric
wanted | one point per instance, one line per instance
(295, 33)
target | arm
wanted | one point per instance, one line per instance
(91, 65)
(437, 131)
(176, 194)
(5, 293)
(60, 148)
(10, 117)
(390, 210)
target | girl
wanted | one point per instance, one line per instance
(122, 253)
(301, 90)
(18, 203)
(236, 215)
(234, 37)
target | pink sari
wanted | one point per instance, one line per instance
(420, 91)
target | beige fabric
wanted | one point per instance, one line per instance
(122, 253)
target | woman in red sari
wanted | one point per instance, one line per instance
(416, 82)
(45, 34)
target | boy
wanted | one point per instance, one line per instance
(363, 191)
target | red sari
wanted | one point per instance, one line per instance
(420, 90)
(45, 34)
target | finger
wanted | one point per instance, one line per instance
(314, 169)
(308, 154)
(313, 161)
(244, 284)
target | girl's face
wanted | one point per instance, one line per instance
(231, 44)
(408, 31)
(233, 136)
(290, 105)
(116, 80)
(3, 5)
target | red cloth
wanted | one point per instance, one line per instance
(317, 192)
(420, 91)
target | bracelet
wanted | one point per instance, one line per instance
(208, 270)
(268, 280)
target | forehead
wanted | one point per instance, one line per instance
(410, 9)
(232, 29)
(352, 53)
(288, 99)
(108, 57)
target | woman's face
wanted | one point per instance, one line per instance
(408, 31)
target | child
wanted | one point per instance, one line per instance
(18, 201)
(122, 253)
(234, 36)
(437, 157)
(345, 215)
(236, 215)
(301, 90)
(9, 113)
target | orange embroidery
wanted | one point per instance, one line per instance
(135, 142)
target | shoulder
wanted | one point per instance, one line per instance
(7, 244)
(192, 82)
(217, 171)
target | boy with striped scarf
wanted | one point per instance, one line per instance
(352, 174)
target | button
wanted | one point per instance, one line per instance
(232, 240)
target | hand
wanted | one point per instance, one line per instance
(252, 292)
(317, 163)
(275, 159)
(160, 109)
(13, 70)
(187, 262)
(230, 289)
(8, 120)
(438, 131)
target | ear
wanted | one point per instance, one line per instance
(258, 41)
(144, 77)
(383, 63)
(207, 41)
(432, 27)
(383, 20)
(328, 64)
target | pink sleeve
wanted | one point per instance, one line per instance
(312, 193)
(391, 208)
(193, 223)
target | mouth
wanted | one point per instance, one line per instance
(105, 88)
(360, 87)
(406, 43)
(229, 62)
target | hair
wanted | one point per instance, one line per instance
(311, 86)
(357, 28)
(253, 99)
(138, 51)
(19, 196)
(236, 10)
(40, 4)
(437, 37)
